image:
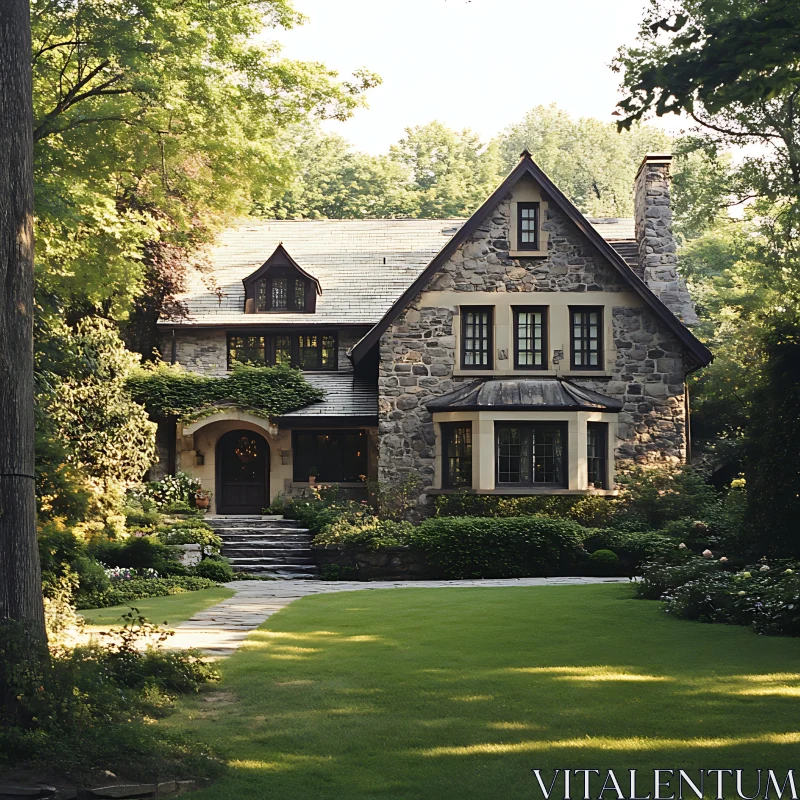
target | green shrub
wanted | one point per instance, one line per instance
(666, 573)
(477, 547)
(61, 553)
(190, 532)
(139, 519)
(604, 562)
(591, 510)
(178, 507)
(369, 532)
(136, 552)
(325, 508)
(215, 570)
(122, 592)
(171, 489)
(338, 572)
(632, 548)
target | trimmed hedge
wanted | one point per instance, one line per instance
(140, 588)
(631, 548)
(481, 547)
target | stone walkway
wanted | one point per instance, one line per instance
(221, 629)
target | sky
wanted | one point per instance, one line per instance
(479, 64)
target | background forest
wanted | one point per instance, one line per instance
(156, 128)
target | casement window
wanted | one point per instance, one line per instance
(531, 454)
(307, 351)
(527, 226)
(280, 292)
(530, 338)
(597, 454)
(457, 455)
(476, 337)
(586, 337)
(330, 456)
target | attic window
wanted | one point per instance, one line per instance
(280, 285)
(279, 292)
(527, 226)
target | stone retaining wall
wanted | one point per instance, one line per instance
(388, 562)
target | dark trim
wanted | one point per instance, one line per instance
(454, 409)
(545, 312)
(264, 324)
(322, 423)
(698, 352)
(327, 429)
(601, 356)
(603, 457)
(564, 426)
(463, 311)
(519, 244)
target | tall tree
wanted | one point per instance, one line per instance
(20, 578)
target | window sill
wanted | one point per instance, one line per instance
(326, 484)
(528, 253)
(527, 491)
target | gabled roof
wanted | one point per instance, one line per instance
(526, 167)
(523, 394)
(280, 257)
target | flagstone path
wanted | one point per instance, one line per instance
(220, 630)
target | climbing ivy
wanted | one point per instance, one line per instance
(171, 391)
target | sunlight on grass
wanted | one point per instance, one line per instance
(473, 698)
(588, 674)
(628, 745)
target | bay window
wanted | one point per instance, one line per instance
(531, 454)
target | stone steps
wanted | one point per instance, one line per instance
(266, 545)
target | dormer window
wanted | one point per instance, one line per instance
(280, 285)
(527, 226)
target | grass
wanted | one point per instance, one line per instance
(459, 693)
(173, 609)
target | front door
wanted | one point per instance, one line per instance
(242, 473)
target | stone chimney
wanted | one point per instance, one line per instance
(657, 248)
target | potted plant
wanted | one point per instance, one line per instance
(202, 499)
(312, 475)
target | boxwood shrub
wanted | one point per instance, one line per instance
(139, 588)
(481, 547)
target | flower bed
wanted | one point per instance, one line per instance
(138, 588)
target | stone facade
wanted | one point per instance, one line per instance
(657, 246)
(419, 359)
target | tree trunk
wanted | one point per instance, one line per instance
(20, 575)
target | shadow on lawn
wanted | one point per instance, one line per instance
(460, 693)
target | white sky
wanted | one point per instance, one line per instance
(479, 64)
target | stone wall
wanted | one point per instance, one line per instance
(418, 351)
(657, 247)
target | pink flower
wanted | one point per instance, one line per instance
(723, 559)
(707, 554)
(681, 546)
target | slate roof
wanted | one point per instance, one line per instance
(523, 394)
(346, 257)
(345, 396)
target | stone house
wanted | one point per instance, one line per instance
(524, 350)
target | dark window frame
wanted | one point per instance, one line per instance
(336, 433)
(585, 351)
(488, 310)
(535, 244)
(270, 338)
(545, 312)
(448, 429)
(600, 429)
(531, 483)
(292, 279)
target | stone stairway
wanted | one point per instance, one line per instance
(265, 545)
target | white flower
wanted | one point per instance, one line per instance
(707, 554)
(765, 568)
(681, 546)
(723, 559)
(742, 593)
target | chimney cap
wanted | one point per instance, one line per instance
(654, 158)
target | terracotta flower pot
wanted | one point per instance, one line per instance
(202, 502)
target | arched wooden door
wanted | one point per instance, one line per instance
(242, 473)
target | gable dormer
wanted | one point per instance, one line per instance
(280, 286)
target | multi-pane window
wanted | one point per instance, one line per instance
(476, 338)
(531, 454)
(586, 337)
(308, 351)
(330, 456)
(597, 454)
(527, 226)
(457, 451)
(280, 293)
(530, 338)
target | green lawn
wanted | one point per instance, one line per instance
(459, 693)
(173, 609)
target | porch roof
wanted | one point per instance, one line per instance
(523, 394)
(345, 396)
